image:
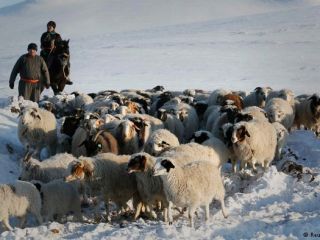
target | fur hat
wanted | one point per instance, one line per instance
(51, 23)
(33, 46)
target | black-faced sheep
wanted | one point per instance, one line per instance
(181, 185)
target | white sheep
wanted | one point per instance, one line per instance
(201, 136)
(282, 136)
(210, 116)
(37, 128)
(58, 199)
(285, 94)
(106, 174)
(150, 188)
(81, 100)
(257, 97)
(308, 113)
(192, 185)
(257, 113)
(189, 118)
(279, 110)
(221, 149)
(159, 141)
(173, 124)
(254, 142)
(18, 199)
(47, 170)
(186, 153)
(186, 113)
(127, 137)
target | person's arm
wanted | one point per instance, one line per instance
(42, 40)
(45, 72)
(14, 72)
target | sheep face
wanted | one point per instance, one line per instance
(162, 167)
(28, 168)
(261, 94)
(287, 95)
(239, 134)
(128, 129)
(29, 115)
(183, 114)
(315, 106)
(243, 117)
(200, 136)
(137, 163)
(275, 115)
(79, 171)
(159, 147)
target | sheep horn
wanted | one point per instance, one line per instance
(27, 157)
(97, 135)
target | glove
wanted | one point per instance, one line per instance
(11, 85)
(47, 85)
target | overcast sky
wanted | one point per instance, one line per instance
(5, 3)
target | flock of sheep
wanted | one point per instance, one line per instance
(163, 150)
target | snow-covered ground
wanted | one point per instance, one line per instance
(182, 44)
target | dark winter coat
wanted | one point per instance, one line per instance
(47, 37)
(30, 68)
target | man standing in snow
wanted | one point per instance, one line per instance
(49, 41)
(31, 68)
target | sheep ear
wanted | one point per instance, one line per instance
(313, 98)
(136, 127)
(143, 161)
(88, 171)
(258, 89)
(247, 117)
(163, 115)
(27, 157)
(164, 144)
(83, 143)
(38, 186)
(35, 113)
(246, 132)
(167, 164)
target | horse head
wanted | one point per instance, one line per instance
(62, 52)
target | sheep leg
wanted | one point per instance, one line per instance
(22, 221)
(138, 211)
(223, 208)
(234, 165)
(38, 216)
(266, 165)
(150, 212)
(165, 214)
(207, 212)
(190, 215)
(243, 164)
(7, 224)
(170, 212)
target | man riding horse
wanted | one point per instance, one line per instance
(49, 41)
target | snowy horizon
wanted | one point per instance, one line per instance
(181, 44)
(178, 44)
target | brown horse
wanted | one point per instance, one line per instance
(59, 67)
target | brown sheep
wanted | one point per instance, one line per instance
(236, 99)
